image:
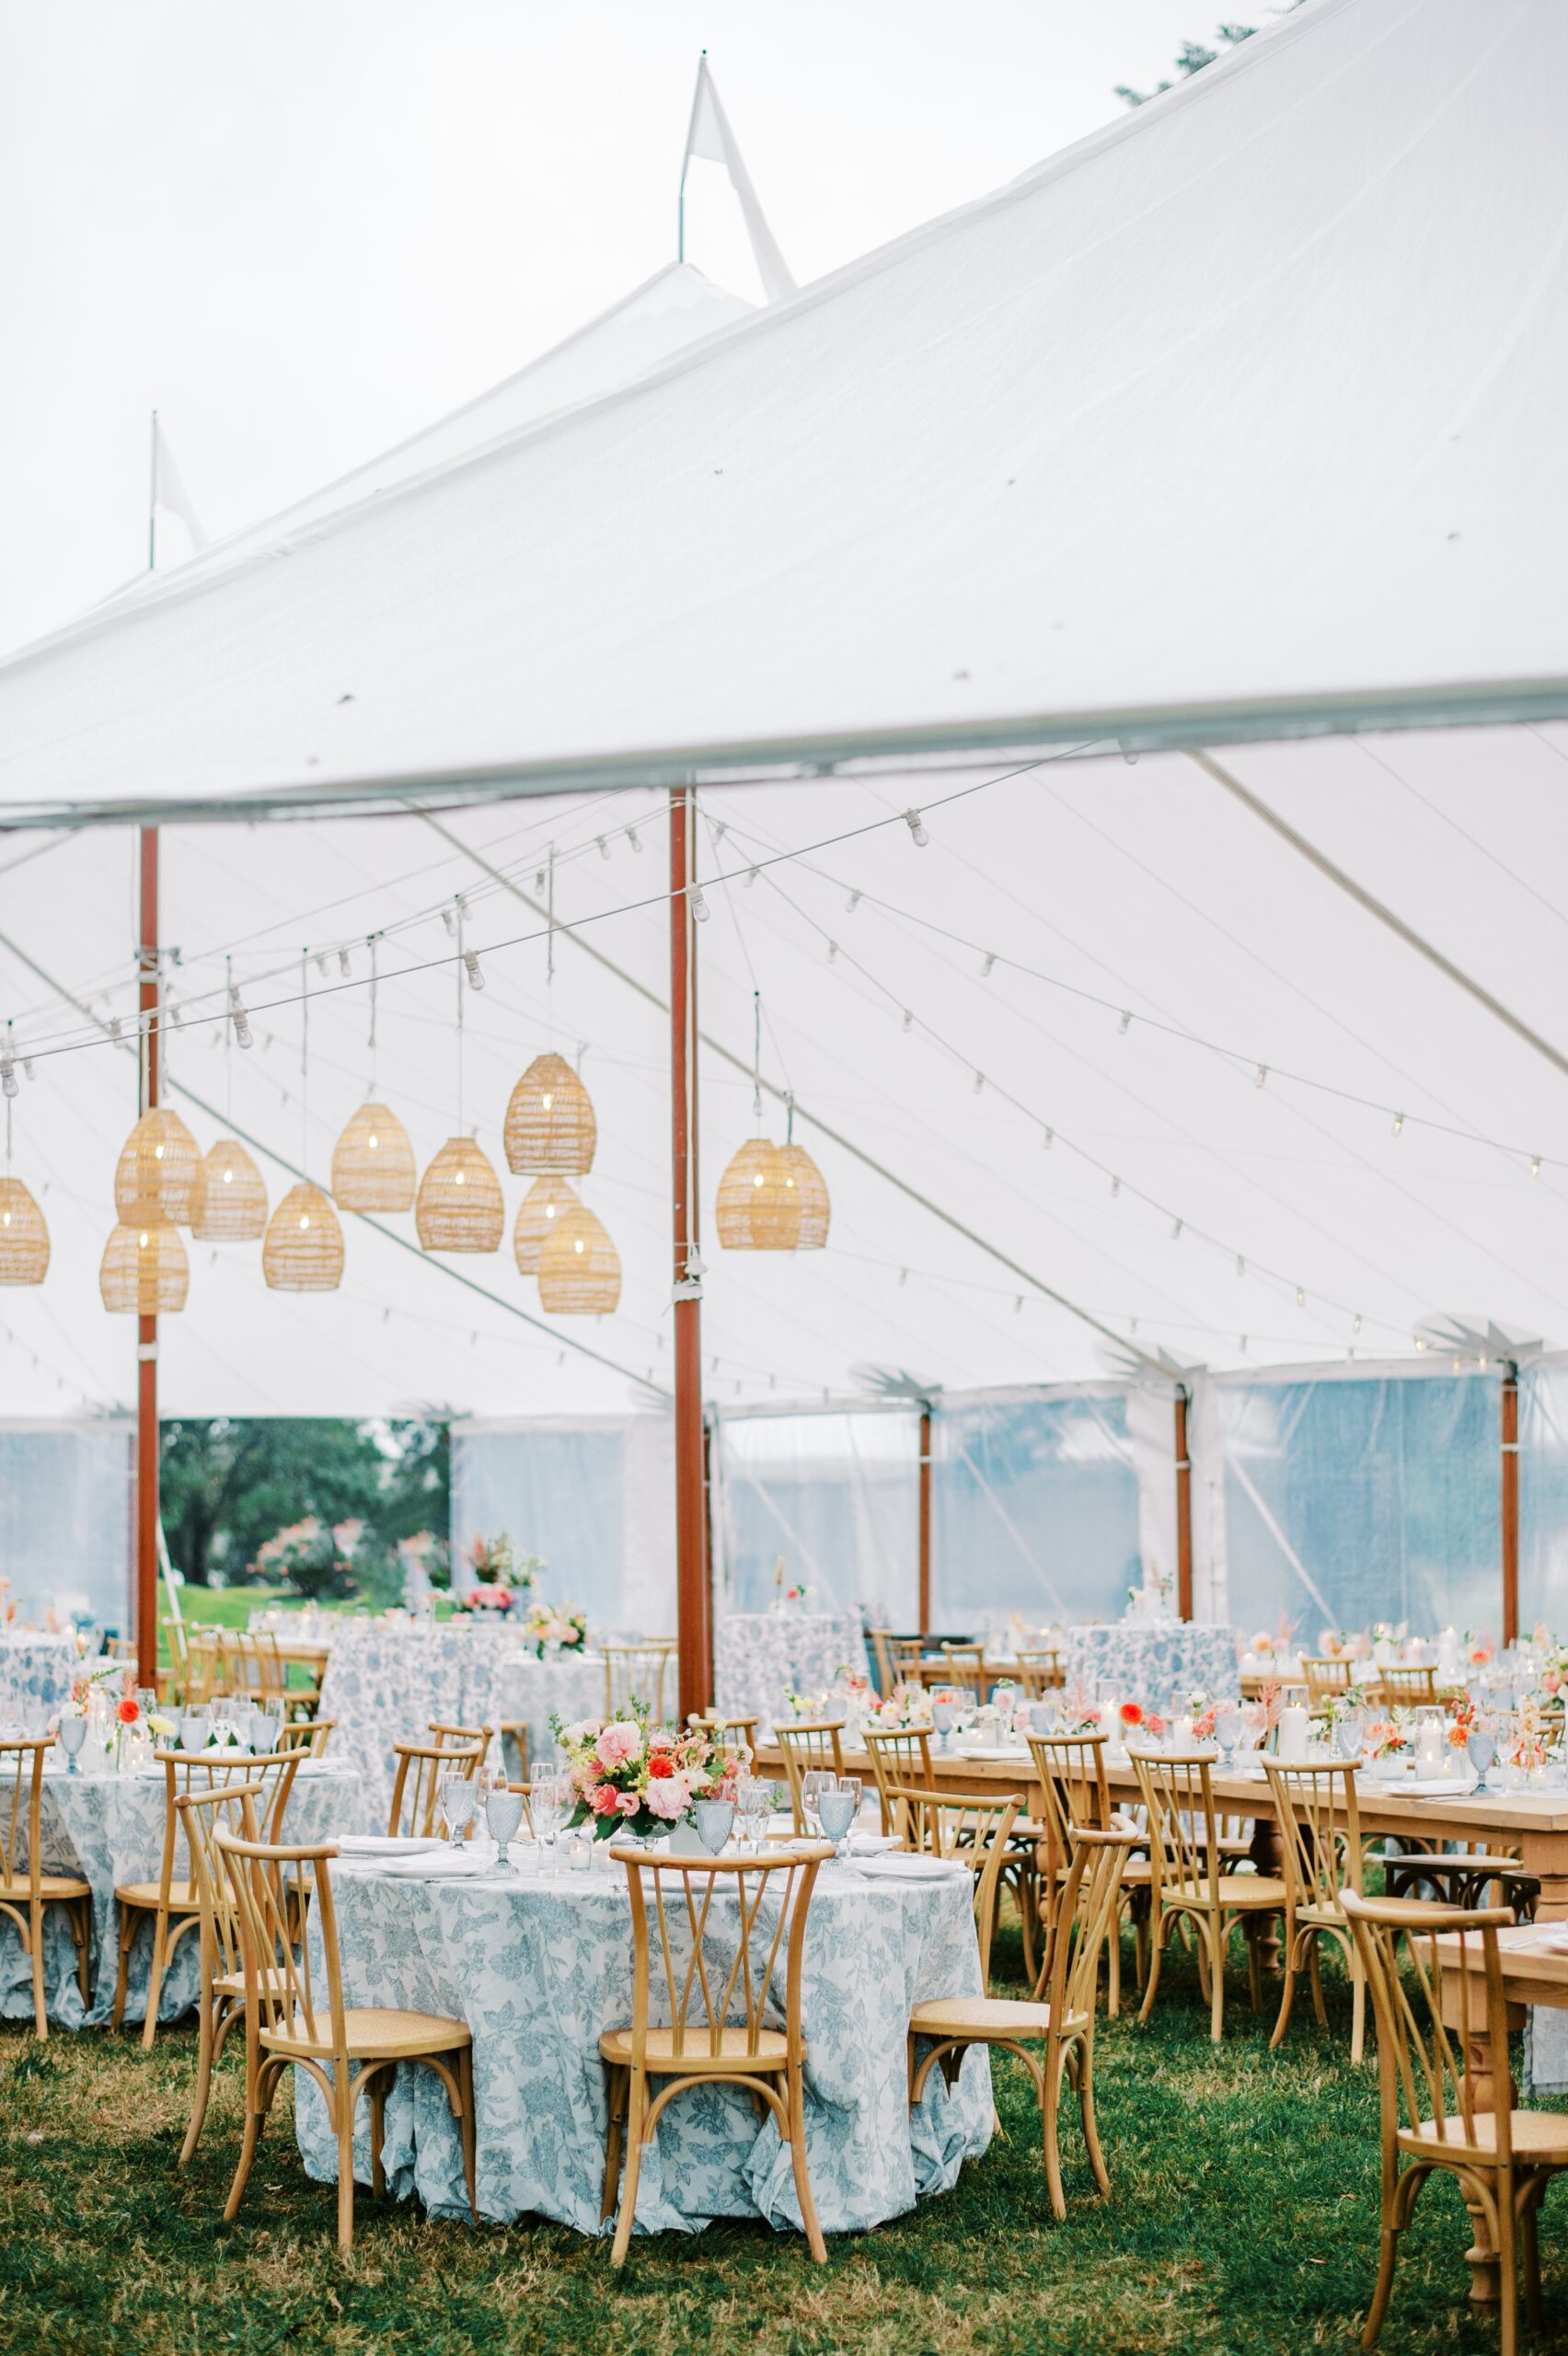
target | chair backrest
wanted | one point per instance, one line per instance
(967, 1665)
(309, 1737)
(245, 1665)
(1183, 1840)
(416, 1785)
(898, 1755)
(446, 1737)
(1319, 1828)
(906, 1654)
(1405, 1686)
(807, 1743)
(1086, 1918)
(205, 1663)
(1324, 1678)
(1039, 1673)
(1421, 2057)
(21, 1795)
(189, 1775)
(1071, 1772)
(281, 1990)
(705, 1946)
(229, 1808)
(967, 1830)
(881, 1658)
(729, 1733)
(637, 1673)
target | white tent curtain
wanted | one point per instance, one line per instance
(1543, 1494)
(65, 1504)
(835, 1494)
(1343, 1500)
(593, 1498)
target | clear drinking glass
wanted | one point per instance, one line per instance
(714, 1820)
(1481, 1744)
(547, 1805)
(459, 1802)
(1349, 1732)
(755, 1800)
(1228, 1731)
(73, 1734)
(264, 1733)
(944, 1718)
(503, 1814)
(837, 1809)
(813, 1784)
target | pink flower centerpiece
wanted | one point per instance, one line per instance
(630, 1777)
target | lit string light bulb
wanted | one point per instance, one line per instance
(917, 826)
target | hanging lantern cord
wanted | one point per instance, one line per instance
(10, 1059)
(459, 1016)
(305, 1063)
(788, 1116)
(757, 1058)
(228, 1044)
(370, 944)
(550, 949)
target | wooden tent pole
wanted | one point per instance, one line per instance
(147, 1327)
(693, 1598)
(1510, 1502)
(1183, 1511)
(925, 1588)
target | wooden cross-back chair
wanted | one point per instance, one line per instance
(808, 1743)
(966, 1829)
(309, 1737)
(1189, 1882)
(450, 1737)
(1063, 2026)
(348, 2050)
(1439, 2107)
(26, 1890)
(416, 1783)
(705, 1955)
(638, 1673)
(1070, 1771)
(882, 1657)
(220, 1995)
(514, 1736)
(251, 1667)
(729, 1730)
(203, 1664)
(1319, 1830)
(1039, 1673)
(966, 1667)
(899, 1755)
(171, 1903)
(1324, 1678)
(1403, 1685)
(906, 1656)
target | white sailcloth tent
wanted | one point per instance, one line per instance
(1226, 441)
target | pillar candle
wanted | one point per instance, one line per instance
(1293, 1724)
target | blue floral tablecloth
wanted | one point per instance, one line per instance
(758, 1655)
(1160, 1663)
(386, 1681)
(107, 1828)
(36, 1676)
(539, 1968)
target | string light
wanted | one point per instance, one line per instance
(1240, 1266)
(1115, 1188)
(1399, 1123)
(1046, 1139)
(345, 964)
(851, 904)
(603, 846)
(634, 839)
(697, 905)
(449, 922)
(473, 969)
(1176, 1232)
(1300, 1298)
(979, 1081)
(985, 969)
(751, 879)
(1260, 1075)
(1535, 1165)
(1355, 1323)
(832, 951)
(1125, 1025)
(917, 826)
(908, 1023)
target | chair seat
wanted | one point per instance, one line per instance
(737, 2051)
(182, 1897)
(232, 1984)
(1325, 1918)
(375, 2033)
(1250, 1892)
(50, 1887)
(1537, 2135)
(987, 2017)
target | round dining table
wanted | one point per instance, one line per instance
(540, 1966)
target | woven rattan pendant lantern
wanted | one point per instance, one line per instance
(304, 1250)
(460, 1205)
(145, 1272)
(24, 1236)
(579, 1270)
(156, 1172)
(550, 1124)
(759, 1208)
(805, 1181)
(229, 1204)
(546, 1201)
(373, 1163)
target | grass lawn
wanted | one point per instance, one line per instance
(1242, 2223)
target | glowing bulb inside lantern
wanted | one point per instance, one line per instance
(8, 1218)
(373, 1140)
(228, 1177)
(457, 1178)
(304, 1220)
(141, 1241)
(756, 1178)
(577, 1243)
(545, 1100)
(157, 1153)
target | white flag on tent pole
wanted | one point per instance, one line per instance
(168, 492)
(711, 138)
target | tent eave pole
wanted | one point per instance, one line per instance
(693, 1598)
(147, 1327)
(1183, 1511)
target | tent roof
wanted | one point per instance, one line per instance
(1239, 417)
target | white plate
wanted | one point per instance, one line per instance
(988, 1750)
(386, 1845)
(438, 1865)
(906, 1868)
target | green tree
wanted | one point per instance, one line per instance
(230, 1483)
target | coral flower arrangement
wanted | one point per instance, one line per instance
(632, 1777)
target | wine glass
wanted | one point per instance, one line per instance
(944, 1718)
(264, 1733)
(714, 1819)
(1349, 1731)
(837, 1809)
(503, 1814)
(73, 1734)
(755, 1800)
(546, 1807)
(459, 1801)
(1227, 1730)
(813, 1784)
(1481, 1744)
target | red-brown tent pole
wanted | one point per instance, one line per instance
(147, 1327)
(1510, 1486)
(694, 1599)
(1183, 1511)
(924, 1618)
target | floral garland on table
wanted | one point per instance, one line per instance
(500, 1576)
(547, 1625)
(630, 1777)
(908, 1705)
(1132, 1719)
(1387, 1738)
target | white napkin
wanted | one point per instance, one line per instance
(903, 1865)
(438, 1865)
(872, 1845)
(386, 1845)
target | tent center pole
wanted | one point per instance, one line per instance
(1510, 1502)
(924, 1609)
(1183, 1511)
(148, 998)
(694, 1596)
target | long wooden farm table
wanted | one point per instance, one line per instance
(1536, 1829)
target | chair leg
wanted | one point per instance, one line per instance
(1388, 2255)
(1156, 1948)
(343, 2105)
(206, 2039)
(637, 2102)
(796, 2104)
(1314, 1966)
(615, 2091)
(1529, 2254)
(1050, 2120)
(1507, 2270)
(468, 2126)
(1113, 1967)
(1358, 2008)
(128, 1926)
(1288, 1995)
(1251, 1929)
(1090, 2123)
(1217, 1976)
(376, 2100)
(258, 2096)
(35, 1940)
(154, 1979)
(82, 1926)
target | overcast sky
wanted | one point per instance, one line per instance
(303, 230)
